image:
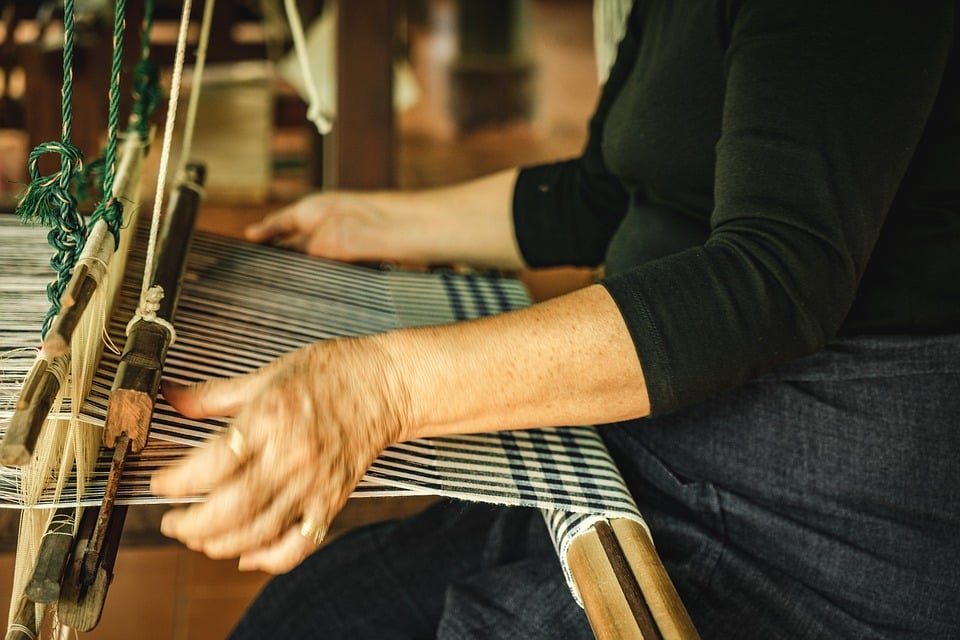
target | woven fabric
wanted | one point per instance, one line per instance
(243, 305)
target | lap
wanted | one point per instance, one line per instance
(818, 501)
(455, 571)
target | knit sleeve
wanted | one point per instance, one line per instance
(825, 102)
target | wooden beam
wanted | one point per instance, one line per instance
(359, 153)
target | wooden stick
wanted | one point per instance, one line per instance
(39, 391)
(44, 585)
(137, 380)
(82, 597)
(665, 605)
(626, 592)
(87, 276)
(93, 556)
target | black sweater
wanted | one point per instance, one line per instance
(761, 176)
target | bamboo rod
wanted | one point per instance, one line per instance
(625, 590)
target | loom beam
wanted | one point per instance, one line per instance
(626, 592)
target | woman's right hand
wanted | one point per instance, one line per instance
(346, 226)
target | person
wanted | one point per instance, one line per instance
(773, 188)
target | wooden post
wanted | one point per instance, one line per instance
(359, 153)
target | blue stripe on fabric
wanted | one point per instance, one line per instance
(456, 302)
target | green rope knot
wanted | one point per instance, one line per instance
(45, 197)
(47, 200)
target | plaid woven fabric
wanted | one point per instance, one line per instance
(244, 305)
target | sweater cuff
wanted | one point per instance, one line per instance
(647, 340)
(535, 220)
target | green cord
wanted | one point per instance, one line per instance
(110, 209)
(47, 199)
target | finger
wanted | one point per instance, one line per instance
(280, 223)
(241, 513)
(259, 531)
(199, 471)
(212, 398)
(283, 555)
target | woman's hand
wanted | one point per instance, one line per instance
(338, 225)
(311, 423)
(469, 223)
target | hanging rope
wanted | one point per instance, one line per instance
(47, 200)
(110, 209)
(146, 79)
(179, 57)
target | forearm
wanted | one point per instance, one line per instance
(568, 361)
(471, 222)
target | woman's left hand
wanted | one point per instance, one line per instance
(307, 426)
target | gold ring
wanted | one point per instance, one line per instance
(312, 531)
(237, 443)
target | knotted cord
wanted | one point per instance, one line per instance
(110, 209)
(47, 199)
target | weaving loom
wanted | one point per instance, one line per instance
(239, 308)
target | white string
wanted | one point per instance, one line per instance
(147, 312)
(21, 629)
(178, 61)
(314, 111)
(192, 106)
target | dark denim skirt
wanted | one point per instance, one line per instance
(822, 500)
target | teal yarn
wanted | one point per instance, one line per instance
(47, 200)
(146, 95)
(110, 210)
(146, 79)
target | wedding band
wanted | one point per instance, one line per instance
(313, 531)
(237, 443)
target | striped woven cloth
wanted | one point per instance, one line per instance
(243, 305)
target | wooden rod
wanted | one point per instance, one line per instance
(82, 596)
(609, 568)
(87, 276)
(41, 387)
(627, 581)
(44, 585)
(94, 552)
(138, 375)
(661, 596)
(39, 391)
